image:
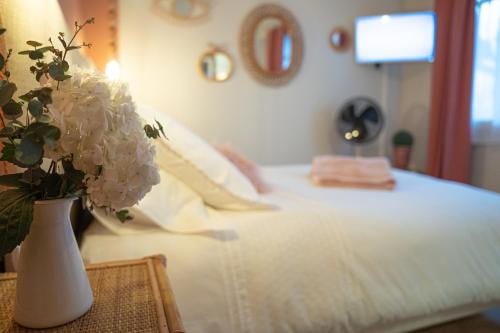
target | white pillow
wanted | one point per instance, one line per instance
(170, 205)
(201, 167)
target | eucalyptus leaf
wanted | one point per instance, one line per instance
(33, 43)
(15, 124)
(7, 90)
(27, 97)
(29, 151)
(24, 52)
(7, 131)
(8, 153)
(161, 129)
(38, 75)
(61, 39)
(56, 71)
(45, 49)
(65, 66)
(16, 216)
(34, 55)
(44, 119)
(12, 110)
(50, 134)
(33, 176)
(52, 185)
(44, 95)
(31, 129)
(124, 215)
(73, 47)
(12, 180)
(35, 107)
(72, 179)
(151, 132)
(2, 61)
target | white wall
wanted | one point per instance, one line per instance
(288, 124)
(486, 166)
(415, 95)
(273, 125)
(30, 20)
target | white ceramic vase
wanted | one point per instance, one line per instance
(52, 284)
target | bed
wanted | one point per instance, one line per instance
(329, 260)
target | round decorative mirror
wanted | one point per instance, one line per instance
(182, 10)
(216, 66)
(271, 45)
(339, 39)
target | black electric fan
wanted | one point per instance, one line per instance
(360, 120)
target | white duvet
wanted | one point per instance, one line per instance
(331, 260)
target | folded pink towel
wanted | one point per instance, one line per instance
(344, 171)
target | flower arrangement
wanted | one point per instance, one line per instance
(81, 138)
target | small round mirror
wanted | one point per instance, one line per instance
(339, 39)
(273, 45)
(216, 66)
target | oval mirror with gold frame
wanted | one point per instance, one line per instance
(216, 65)
(271, 44)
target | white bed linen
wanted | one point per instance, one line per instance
(331, 260)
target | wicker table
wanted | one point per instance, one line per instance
(129, 296)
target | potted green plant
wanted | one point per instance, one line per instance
(403, 143)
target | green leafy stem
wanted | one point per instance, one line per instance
(24, 142)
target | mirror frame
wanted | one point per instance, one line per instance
(211, 52)
(247, 46)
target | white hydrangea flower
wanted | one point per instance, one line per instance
(105, 136)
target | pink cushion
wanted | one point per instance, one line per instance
(247, 167)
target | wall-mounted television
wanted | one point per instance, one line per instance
(404, 37)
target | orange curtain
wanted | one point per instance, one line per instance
(3, 48)
(275, 39)
(3, 165)
(103, 34)
(449, 150)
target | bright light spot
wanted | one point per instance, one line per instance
(348, 136)
(386, 18)
(113, 70)
(355, 133)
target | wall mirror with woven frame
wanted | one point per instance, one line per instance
(271, 44)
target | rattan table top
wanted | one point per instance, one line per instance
(129, 296)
